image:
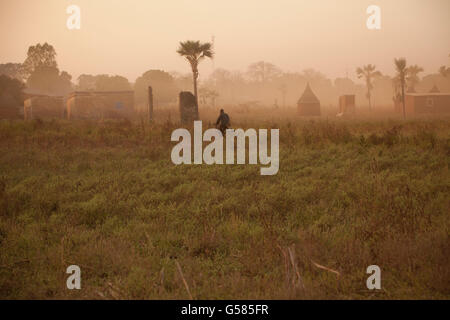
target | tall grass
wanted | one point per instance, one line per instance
(106, 196)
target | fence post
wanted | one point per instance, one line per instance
(150, 104)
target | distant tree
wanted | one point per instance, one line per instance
(102, 82)
(13, 70)
(112, 83)
(283, 90)
(43, 79)
(262, 71)
(412, 77)
(213, 95)
(10, 92)
(444, 71)
(311, 75)
(39, 56)
(182, 81)
(48, 80)
(400, 66)
(344, 85)
(194, 52)
(229, 85)
(65, 83)
(208, 95)
(383, 89)
(162, 83)
(221, 76)
(368, 72)
(86, 82)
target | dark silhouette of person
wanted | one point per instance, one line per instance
(223, 121)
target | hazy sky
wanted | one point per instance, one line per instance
(128, 37)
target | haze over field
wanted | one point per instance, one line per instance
(129, 37)
(101, 166)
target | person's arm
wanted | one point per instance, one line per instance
(218, 120)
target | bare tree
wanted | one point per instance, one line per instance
(262, 71)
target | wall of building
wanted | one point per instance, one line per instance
(309, 109)
(44, 107)
(347, 104)
(100, 105)
(427, 103)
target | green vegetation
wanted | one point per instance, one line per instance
(107, 197)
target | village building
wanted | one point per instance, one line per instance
(427, 103)
(43, 107)
(100, 105)
(308, 104)
(347, 104)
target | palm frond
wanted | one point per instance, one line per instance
(400, 64)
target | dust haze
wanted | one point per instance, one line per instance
(265, 51)
(118, 121)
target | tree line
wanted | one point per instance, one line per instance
(262, 82)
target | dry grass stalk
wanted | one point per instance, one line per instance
(325, 268)
(62, 252)
(286, 265)
(299, 281)
(114, 291)
(184, 280)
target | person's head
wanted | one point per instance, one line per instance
(221, 111)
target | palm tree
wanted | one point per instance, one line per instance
(194, 52)
(400, 66)
(412, 76)
(368, 72)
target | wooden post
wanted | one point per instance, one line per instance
(150, 104)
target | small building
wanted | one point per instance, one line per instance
(427, 103)
(100, 105)
(43, 107)
(347, 104)
(187, 107)
(308, 104)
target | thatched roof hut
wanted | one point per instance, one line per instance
(308, 104)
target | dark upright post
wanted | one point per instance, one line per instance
(150, 104)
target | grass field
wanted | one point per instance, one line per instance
(106, 197)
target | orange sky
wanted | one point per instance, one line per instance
(128, 37)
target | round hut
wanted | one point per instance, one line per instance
(308, 104)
